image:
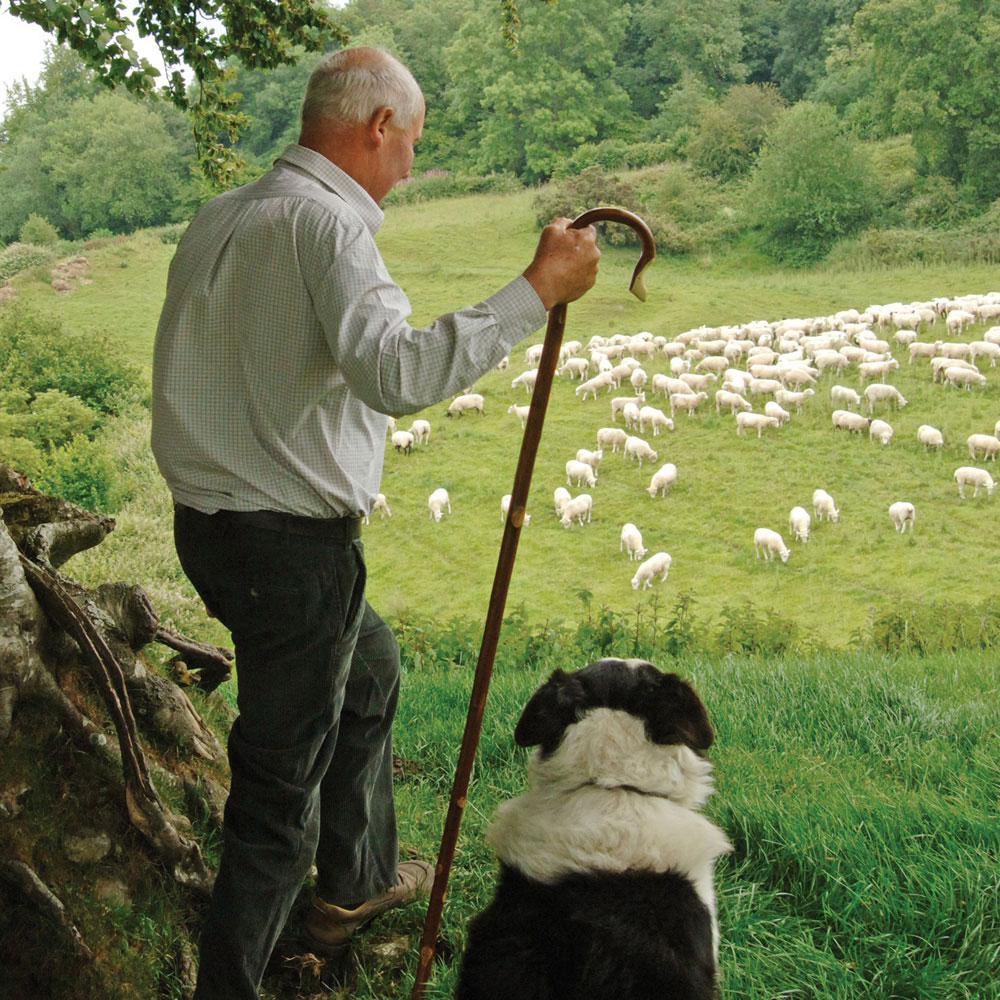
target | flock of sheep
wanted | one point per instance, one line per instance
(780, 365)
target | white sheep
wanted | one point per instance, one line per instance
(505, 507)
(581, 472)
(656, 418)
(578, 508)
(681, 401)
(630, 413)
(765, 386)
(775, 409)
(613, 436)
(847, 421)
(984, 349)
(602, 380)
(619, 403)
(963, 376)
(559, 498)
(940, 365)
(823, 506)
(880, 392)
(785, 397)
(988, 444)
(798, 523)
(467, 401)
(880, 430)
(521, 412)
(381, 506)
(754, 421)
(437, 502)
(902, 513)
(698, 382)
(527, 379)
(876, 369)
(969, 475)
(402, 441)
(631, 541)
(577, 367)
(844, 396)
(920, 349)
(768, 543)
(650, 569)
(662, 480)
(636, 447)
(930, 437)
(638, 378)
(533, 354)
(592, 458)
(421, 431)
(724, 397)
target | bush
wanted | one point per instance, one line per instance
(590, 187)
(813, 185)
(39, 230)
(81, 471)
(172, 234)
(614, 154)
(20, 256)
(443, 184)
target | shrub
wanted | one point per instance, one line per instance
(38, 230)
(614, 154)
(172, 234)
(81, 471)
(20, 256)
(590, 187)
(55, 418)
(443, 184)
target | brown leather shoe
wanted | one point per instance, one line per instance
(328, 929)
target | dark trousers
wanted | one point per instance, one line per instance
(311, 752)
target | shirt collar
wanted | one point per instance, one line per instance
(332, 177)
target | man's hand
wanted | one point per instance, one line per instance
(565, 264)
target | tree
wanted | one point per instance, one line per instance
(258, 33)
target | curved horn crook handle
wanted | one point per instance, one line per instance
(637, 286)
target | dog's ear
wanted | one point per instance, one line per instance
(552, 708)
(675, 714)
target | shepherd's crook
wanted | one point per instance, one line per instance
(501, 580)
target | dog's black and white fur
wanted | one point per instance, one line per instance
(605, 889)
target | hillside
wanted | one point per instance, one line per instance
(448, 253)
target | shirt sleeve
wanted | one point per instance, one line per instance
(390, 365)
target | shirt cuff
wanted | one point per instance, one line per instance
(519, 310)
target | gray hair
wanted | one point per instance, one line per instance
(350, 85)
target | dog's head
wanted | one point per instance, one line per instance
(619, 723)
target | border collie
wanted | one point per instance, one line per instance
(605, 888)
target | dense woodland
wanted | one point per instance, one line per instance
(814, 119)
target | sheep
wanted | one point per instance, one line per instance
(505, 507)
(716, 363)
(613, 436)
(421, 431)
(533, 354)
(402, 441)
(921, 349)
(957, 320)
(559, 498)
(879, 430)
(662, 480)
(527, 379)
(679, 401)
(656, 418)
(939, 365)
(581, 472)
(503, 363)
(765, 386)
(963, 376)
(696, 381)
(902, 513)
(754, 420)
(602, 380)
(631, 541)
(679, 365)
(468, 401)
(773, 409)
(905, 337)
(988, 444)
(984, 349)
(767, 542)
(786, 397)
(723, 397)
(823, 506)
(876, 369)
(880, 392)
(638, 378)
(630, 413)
(848, 421)
(795, 375)
(437, 502)
(592, 458)
(798, 523)
(954, 349)
(969, 475)
(650, 569)
(521, 412)
(618, 404)
(577, 509)
(636, 447)
(577, 367)
(381, 506)
(930, 437)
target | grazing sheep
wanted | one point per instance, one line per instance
(631, 541)
(630, 413)
(880, 392)
(767, 542)
(662, 480)
(636, 447)
(786, 397)
(402, 441)
(964, 376)
(845, 420)
(876, 369)
(879, 430)
(795, 375)
(656, 418)
(533, 354)
(723, 397)
(437, 502)
(581, 472)
(638, 378)
(765, 386)
(467, 401)
(798, 523)
(698, 382)
(930, 437)
(381, 506)
(577, 509)
(521, 412)
(773, 409)
(527, 379)
(559, 498)
(919, 349)
(680, 401)
(988, 444)
(602, 380)
(592, 458)
(577, 367)
(846, 397)
(940, 365)
(902, 514)
(421, 431)
(618, 404)
(667, 386)
(984, 349)
(613, 436)
(823, 506)
(650, 569)
(503, 363)
(756, 421)
(969, 475)
(505, 507)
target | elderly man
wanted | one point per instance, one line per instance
(282, 345)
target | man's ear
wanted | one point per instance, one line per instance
(378, 125)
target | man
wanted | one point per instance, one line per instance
(282, 345)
